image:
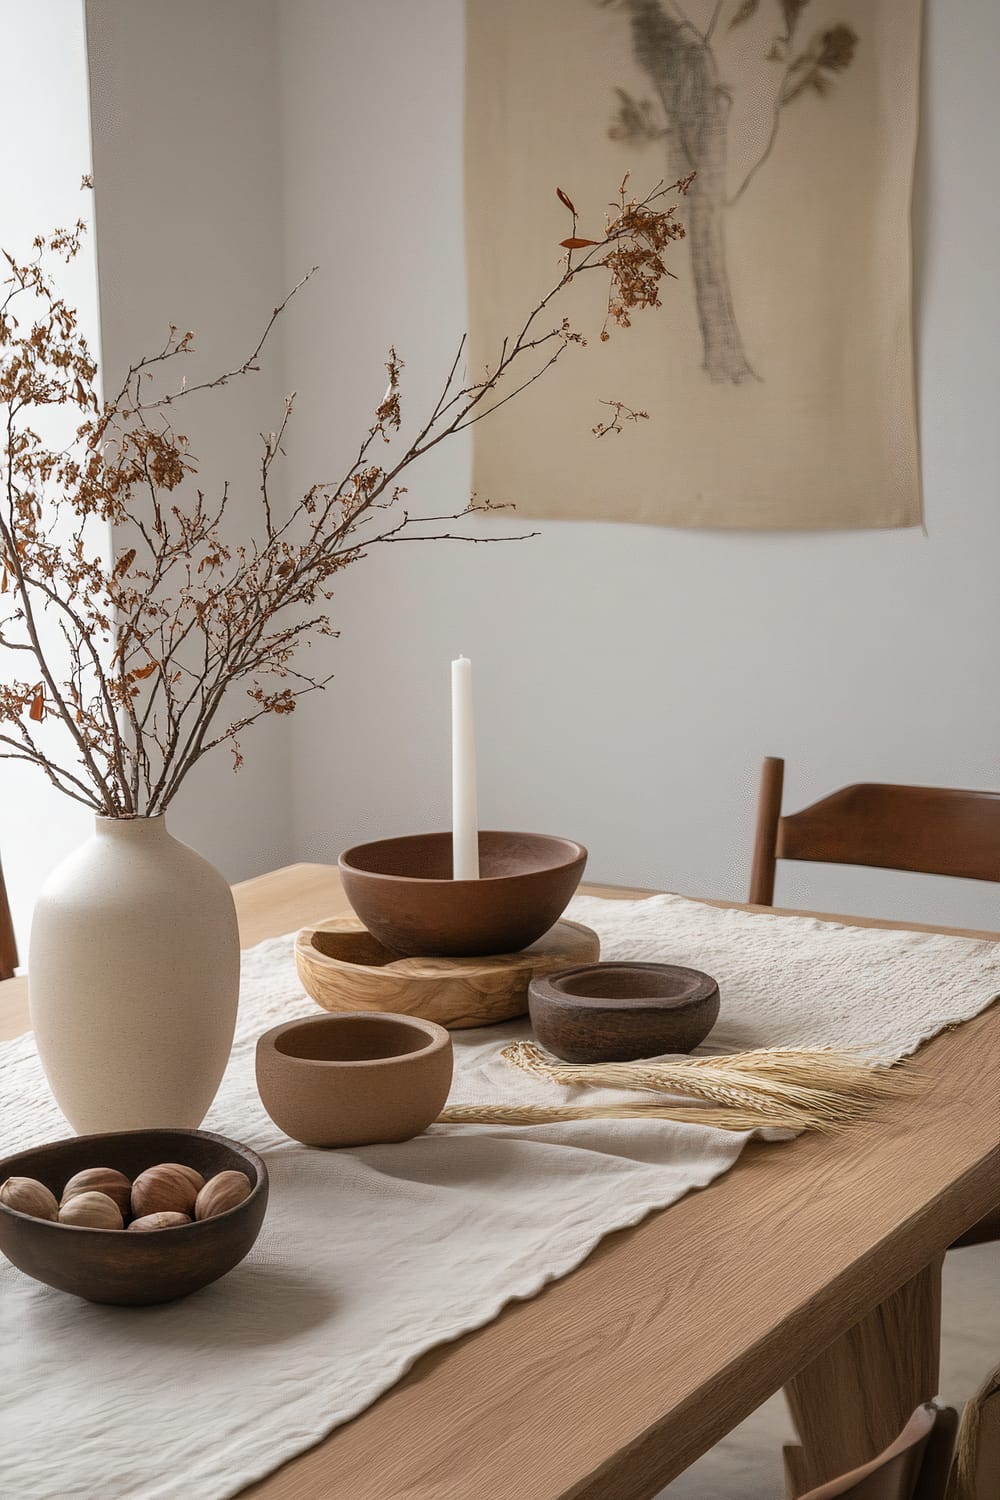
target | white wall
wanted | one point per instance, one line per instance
(630, 679)
(185, 133)
(44, 153)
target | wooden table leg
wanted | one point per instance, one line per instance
(855, 1397)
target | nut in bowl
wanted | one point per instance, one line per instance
(355, 1079)
(89, 1249)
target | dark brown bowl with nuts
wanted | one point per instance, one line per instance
(132, 1218)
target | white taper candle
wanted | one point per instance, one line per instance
(464, 819)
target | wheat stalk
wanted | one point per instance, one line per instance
(791, 1087)
(550, 1114)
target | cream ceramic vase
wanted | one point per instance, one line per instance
(133, 979)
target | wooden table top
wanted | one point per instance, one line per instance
(619, 1376)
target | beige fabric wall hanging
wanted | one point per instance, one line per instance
(778, 374)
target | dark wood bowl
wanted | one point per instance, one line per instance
(616, 1012)
(112, 1265)
(403, 892)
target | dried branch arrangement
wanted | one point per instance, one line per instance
(136, 655)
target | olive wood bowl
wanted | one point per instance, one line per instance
(343, 967)
(354, 1079)
(112, 1265)
(403, 892)
(616, 1012)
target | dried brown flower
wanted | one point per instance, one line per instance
(137, 658)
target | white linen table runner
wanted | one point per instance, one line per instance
(368, 1258)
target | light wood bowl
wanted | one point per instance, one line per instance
(344, 968)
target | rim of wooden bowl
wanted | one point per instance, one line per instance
(438, 1039)
(579, 852)
(551, 987)
(247, 1152)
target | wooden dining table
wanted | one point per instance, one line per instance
(814, 1265)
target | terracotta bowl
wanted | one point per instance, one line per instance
(112, 1265)
(615, 1012)
(403, 892)
(354, 1079)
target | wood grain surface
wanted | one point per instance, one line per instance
(619, 1376)
(895, 1351)
(343, 967)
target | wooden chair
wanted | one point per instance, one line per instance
(934, 830)
(976, 1474)
(914, 1467)
(8, 947)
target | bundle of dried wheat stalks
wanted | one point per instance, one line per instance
(789, 1087)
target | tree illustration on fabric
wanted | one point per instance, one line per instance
(693, 121)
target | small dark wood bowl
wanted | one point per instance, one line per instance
(616, 1012)
(112, 1265)
(403, 892)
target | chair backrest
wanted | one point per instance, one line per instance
(934, 830)
(914, 1467)
(8, 947)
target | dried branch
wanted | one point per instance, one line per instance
(136, 657)
(622, 414)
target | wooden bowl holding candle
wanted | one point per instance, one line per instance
(403, 891)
